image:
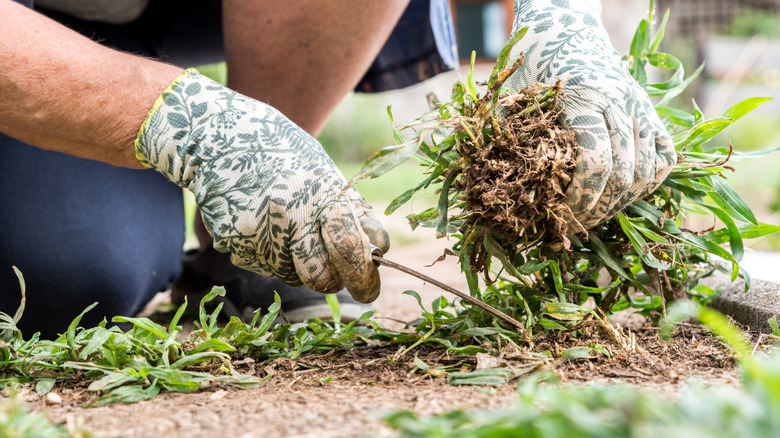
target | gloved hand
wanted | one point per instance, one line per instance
(267, 190)
(626, 151)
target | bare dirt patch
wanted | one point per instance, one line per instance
(342, 393)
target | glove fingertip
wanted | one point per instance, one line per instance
(349, 252)
(376, 233)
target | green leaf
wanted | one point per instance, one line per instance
(469, 350)
(555, 273)
(565, 311)
(416, 296)
(533, 266)
(701, 133)
(503, 57)
(130, 394)
(744, 107)
(735, 239)
(638, 242)
(761, 153)
(193, 359)
(712, 247)
(479, 381)
(71, 333)
(494, 249)
(268, 318)
(458, 90)
(732, 202)
(420, 364)
(664, 60)
(487, 377)
(44, 386)
(444, 204)
(605, 254)
(214, 344)
(659, 36)
(180, 380)
(637, 50)
(471, 83)
(144, 323)
(676, 91)
(577, 353)
(333, 306)
(112, 380)
(677, 116)
(23, 288)
(484, 331)
(592, 290)
(471, 277)
(773, 324)
(389, 158)
(407, 195)
(648, 233)
(747, 231)
(397, 136)
(98, 339)
(428, 218)
(216, 291)
(705, 131)
(245, 381)
(550, 324)
(177, 317)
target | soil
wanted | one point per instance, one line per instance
(342, 394)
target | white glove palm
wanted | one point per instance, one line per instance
(626, 151)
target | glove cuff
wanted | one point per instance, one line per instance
(523, 8)
(139, 150)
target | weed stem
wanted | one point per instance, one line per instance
(486, 307)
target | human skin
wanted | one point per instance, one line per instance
(63, 92)
(302, 57)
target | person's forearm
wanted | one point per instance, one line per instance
(302, 57)
(64, 92)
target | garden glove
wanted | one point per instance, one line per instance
(625, 150)
(268, 192)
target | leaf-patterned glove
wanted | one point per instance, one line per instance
(268, 192)
(626, 151)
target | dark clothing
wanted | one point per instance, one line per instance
(82, 231)
(421, 46)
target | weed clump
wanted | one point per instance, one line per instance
(514, 175)
(500, 164)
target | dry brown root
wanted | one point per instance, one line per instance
(514, 179)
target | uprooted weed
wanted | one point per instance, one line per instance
(500, 164)
(514, 176)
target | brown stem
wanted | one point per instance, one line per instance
(490, 309)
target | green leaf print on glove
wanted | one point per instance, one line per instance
(267, 190)
(626, 151)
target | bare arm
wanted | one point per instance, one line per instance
(64, 92)
(303, 56)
